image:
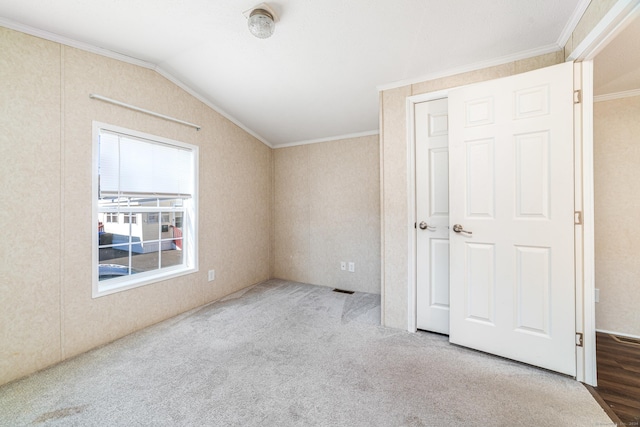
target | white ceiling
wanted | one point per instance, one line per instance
(317, 76)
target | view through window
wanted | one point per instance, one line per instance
(145, 209)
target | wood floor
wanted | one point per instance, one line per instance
(619, 377)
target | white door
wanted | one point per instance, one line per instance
(432, 213)
(511, 179)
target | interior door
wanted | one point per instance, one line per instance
(432, 213)
(512, 217)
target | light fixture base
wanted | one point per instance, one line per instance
(263, 6)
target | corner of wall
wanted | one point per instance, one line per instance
(382, 197)
(272, 199)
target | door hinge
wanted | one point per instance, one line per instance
(577, 96)
(577, 218)
(579, 339)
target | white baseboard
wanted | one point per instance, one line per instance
(618, 333)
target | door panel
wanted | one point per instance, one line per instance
(439, 272)
(511, 189)
(439, 182)
(480, 181)
(480, 282)
(533, 290)
(432, 208)
(532, 180)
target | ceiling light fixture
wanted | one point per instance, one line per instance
(261, 21)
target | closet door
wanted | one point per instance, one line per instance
(432, 213)
(512, 218)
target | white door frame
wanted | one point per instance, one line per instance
(621, 14)
(618, 17)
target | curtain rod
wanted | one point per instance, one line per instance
(142, 110)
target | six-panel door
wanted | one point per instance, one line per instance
(511, 191)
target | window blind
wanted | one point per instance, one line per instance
(132, 167)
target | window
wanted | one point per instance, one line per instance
(130, 218)
(111, 217)
(152, 183)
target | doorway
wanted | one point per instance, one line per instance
(511, 181)
(616, 160)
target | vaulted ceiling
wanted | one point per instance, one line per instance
(318, 76)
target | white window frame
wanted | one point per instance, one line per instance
(190, 222)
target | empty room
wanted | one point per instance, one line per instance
(362, 213)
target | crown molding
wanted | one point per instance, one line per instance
(329, 139)
(474, 67)
(13, 25)
(572, 23)
(616, 95)
(613, 22)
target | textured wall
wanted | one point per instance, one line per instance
(327, 210)
(46, 146)
(394, 173)
(596, 10)
(617, 209)
(31, 214)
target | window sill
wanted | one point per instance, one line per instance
(112, 286)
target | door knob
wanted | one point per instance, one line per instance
(424, 226)
(460, 229)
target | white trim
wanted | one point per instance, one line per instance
(588, 227)
(412, 309)
(383, 294)
(411, 202)
(17, 26)
(573, 21)
(4, 22)
(95, 154)
(578, 229)
(585, 283)
(616, 95)
(190, 265)
(618, 17)
(328, 139)
(473, 67)
(619, 334)
(623, 12)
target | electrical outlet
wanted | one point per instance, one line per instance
(343, 265)
(352, 267)
(212, 275)
(597, 295)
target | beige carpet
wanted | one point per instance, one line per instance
(289, 354)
